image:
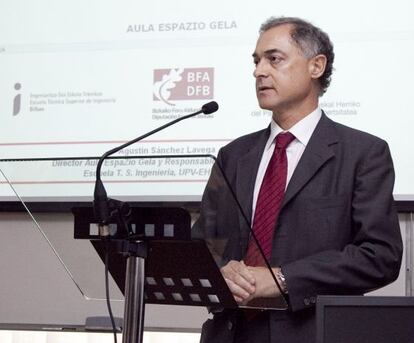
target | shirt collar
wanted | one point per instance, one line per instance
(302, 130)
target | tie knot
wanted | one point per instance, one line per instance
(284, 139)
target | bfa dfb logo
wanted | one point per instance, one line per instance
(17, 100)
(183, 84)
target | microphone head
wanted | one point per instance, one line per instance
(210, 107)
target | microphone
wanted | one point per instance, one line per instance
(100, 202)
(210, 107)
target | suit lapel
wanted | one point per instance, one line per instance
(247, 167)
(316, 154)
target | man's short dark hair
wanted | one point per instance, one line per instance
(311, 40)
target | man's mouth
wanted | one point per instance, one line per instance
(263, 88)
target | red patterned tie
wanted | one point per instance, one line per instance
(269, 201)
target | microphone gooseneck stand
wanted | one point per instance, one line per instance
(135, 251)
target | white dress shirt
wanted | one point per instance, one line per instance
(302, 131)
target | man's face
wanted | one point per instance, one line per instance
(283, 74)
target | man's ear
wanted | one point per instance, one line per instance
(317, 66)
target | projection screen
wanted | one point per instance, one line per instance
(80, 77)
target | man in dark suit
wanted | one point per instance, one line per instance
(334, 229)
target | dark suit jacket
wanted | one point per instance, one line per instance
(337, 231)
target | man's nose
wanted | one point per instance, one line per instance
(261, 69)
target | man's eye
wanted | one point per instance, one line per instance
(275, 59)
(255, 62)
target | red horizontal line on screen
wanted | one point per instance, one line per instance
(106, 181)
(115, 142)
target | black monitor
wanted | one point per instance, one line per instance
(364, 319)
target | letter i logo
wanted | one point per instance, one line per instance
(17, 100)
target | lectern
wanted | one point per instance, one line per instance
(156, 263)
(153, 257)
